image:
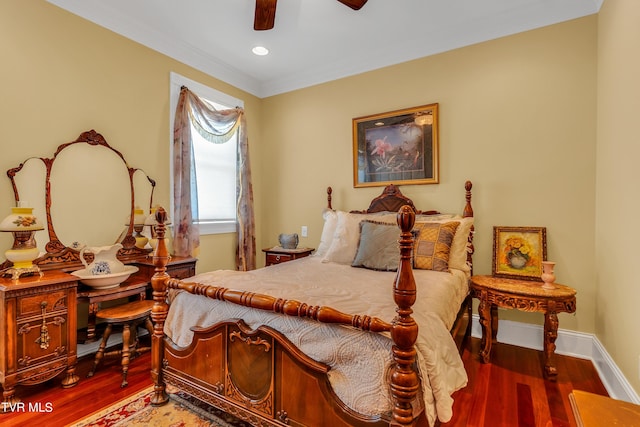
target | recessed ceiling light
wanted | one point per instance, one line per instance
(260, 50)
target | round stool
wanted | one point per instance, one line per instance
(129, 316)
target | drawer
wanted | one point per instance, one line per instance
(181, 272)
(28, 350)
(32, 304)
(278, 258)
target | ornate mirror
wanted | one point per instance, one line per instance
(87, 193)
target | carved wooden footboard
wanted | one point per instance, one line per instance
(260, 376)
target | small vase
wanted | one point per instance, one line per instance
(548, 276)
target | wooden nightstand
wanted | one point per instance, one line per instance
(276, 255)
(38, 336)
(494, 292)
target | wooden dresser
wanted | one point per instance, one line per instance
(38, 331)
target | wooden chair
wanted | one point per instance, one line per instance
(129, 316)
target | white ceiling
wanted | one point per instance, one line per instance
(315, 41)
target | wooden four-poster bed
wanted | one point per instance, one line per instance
(317, 341)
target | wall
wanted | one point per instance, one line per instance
(517, 117)
(617, 181)
(63, 75)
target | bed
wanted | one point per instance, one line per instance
(318, 341)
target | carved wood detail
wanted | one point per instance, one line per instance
(404, 380)
(58, 255)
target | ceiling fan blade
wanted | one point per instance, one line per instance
(265, 15)
(353, 4)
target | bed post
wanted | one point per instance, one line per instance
(404, 329)
(159, 311)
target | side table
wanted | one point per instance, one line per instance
(494, 292)
(277, 255)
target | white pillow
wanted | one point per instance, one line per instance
(347, 235)
(330, 221)
(458, 251)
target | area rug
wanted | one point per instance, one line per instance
(182, 410)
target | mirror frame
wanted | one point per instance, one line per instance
(57, 254)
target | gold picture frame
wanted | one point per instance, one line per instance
(518, 252)
(399, 147)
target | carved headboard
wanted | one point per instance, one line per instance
(87, 193)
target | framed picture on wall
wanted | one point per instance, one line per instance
(518, 252)
(399, 147)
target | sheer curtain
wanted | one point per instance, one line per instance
(217, 126)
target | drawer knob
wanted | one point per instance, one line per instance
(277, 257)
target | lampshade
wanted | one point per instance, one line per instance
(138, 217)
(21, 219)
(424, 119)
(23, 224)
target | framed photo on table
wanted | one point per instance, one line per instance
(518, 252)
(399, 147)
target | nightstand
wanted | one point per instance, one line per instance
(494, 292)
(38, 337)
(277, 255)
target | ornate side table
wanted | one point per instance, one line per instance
(494, 292)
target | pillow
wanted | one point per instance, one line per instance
(432, 245)
(458, 251)
(329, 228)
(347, 235)
(378, 246)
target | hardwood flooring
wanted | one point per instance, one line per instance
(87, 397)
(509, 392)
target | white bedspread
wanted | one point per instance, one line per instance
(357, 377)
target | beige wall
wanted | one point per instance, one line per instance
(62, 75)
(617, 201)
(517, 117)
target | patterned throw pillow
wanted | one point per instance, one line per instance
(432, 245)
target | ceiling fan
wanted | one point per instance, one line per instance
(266, 12)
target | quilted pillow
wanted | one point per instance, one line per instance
(378, 246)
(459, 246)
(433, 244)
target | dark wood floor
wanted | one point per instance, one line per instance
(508, 392)
(87, 397)
(511, 391)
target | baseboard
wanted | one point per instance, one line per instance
(569, 343)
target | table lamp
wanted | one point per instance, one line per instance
(23, 225)
(138, 225)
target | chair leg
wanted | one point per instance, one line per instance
(126, 351)
(100, 353)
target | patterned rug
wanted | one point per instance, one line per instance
(182, 410)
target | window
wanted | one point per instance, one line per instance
(215, 164)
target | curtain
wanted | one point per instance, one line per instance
(217, 126)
